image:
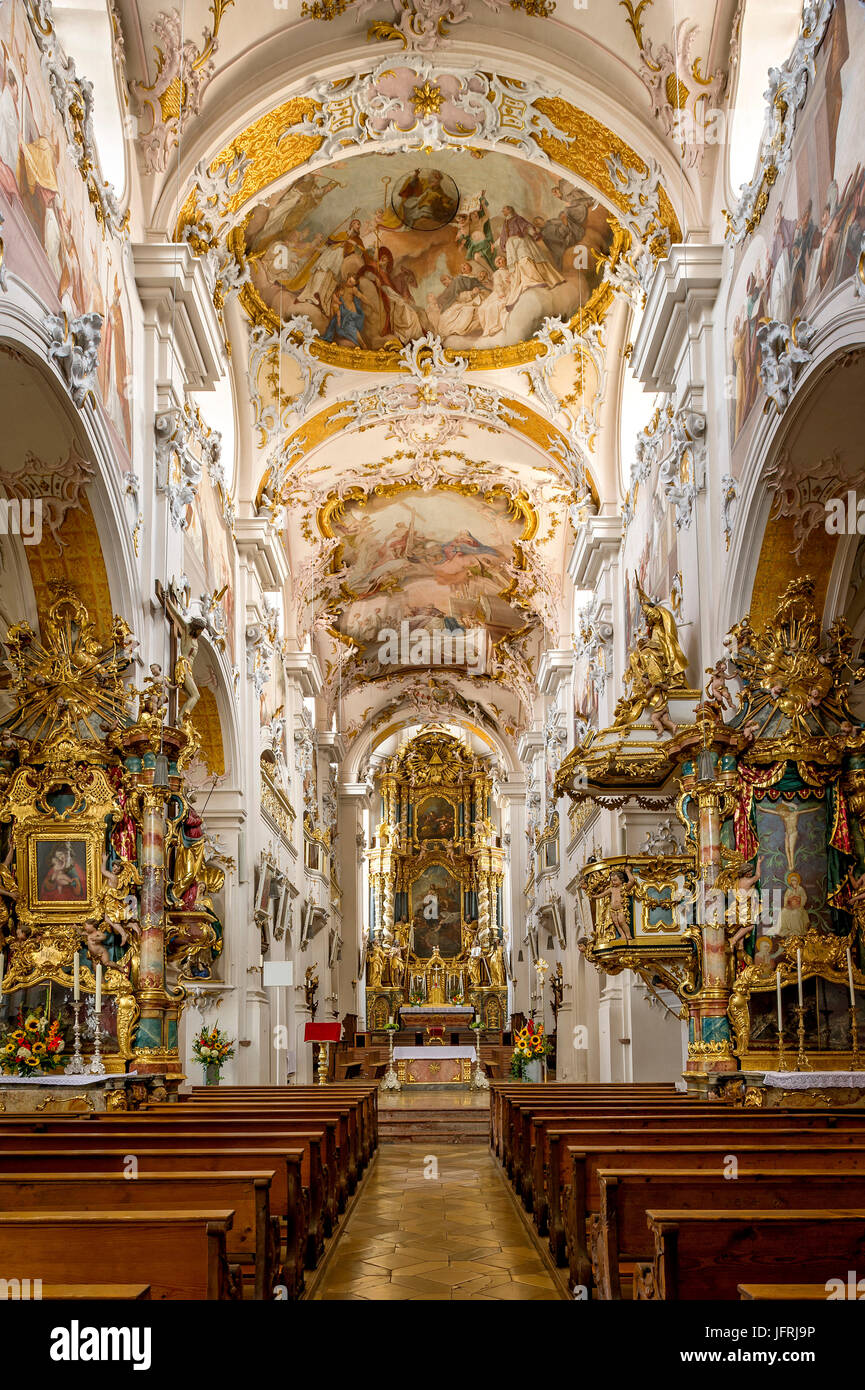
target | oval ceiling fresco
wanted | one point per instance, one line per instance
(475, 247)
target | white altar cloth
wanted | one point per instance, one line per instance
(813, 1080)
(433, 1053)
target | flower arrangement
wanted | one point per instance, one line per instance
(34, 1047)
(477, 1024)
(390, 1027)
(458, 997)
(211, 1047)
(530, 1042)
(416, 997)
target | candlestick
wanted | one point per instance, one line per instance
(97, 1066)
(97, 998)
(76, 979)
(856, 1059)
(76, 1066)
(781, 1063)
(799, 973)
(802, 1063)
(849, 977)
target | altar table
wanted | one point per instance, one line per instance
(434, 1066)
(451, 1017)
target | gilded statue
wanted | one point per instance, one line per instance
(656, 665)
(614, 893)
(184, 679)
(492, 954)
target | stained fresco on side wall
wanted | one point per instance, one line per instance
(51, 235)
(810, 237)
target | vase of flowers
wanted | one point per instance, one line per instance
(212, 1047)
(34, 1048)
(531, 1046)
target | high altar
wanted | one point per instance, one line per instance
(436, 869)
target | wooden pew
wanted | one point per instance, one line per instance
(308, 1132)
(252, 1239)
(707, 1254)
(583, 1198)
(364, 1095)
(796, 1293)
(552, 1136)
(180, 1254)
(245, 1151)
(503, 1092)
(287, 1197)
(620, 1230)
(85, 1293)
(348, 1133)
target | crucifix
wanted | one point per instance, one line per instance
(184, 632)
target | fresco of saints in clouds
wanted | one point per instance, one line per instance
(431, 560)
(478, 252)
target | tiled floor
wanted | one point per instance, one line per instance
(415, 1235)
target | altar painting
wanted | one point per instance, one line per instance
(435, 819)
(436, 901)
(792, 834)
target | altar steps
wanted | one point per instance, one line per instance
(443, 1126)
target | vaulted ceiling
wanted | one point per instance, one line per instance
(428, 227)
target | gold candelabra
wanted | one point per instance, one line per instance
(802, 1063)
(781, 1064)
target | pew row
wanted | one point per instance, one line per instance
(707, 1254)
(180, 1254)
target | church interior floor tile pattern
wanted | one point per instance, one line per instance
(448, 1231)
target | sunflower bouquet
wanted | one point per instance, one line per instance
(212, 1047)
(34, 1047)
(530, 1043)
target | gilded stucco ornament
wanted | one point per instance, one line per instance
(183, 73)
(266, 349)
(784, 350)
(785, 98)
(73, 346)
(688, 115)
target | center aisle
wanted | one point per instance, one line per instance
(435, 1225)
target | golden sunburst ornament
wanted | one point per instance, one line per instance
(427, 100)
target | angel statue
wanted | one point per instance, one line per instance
(656, 665)
(615, 891)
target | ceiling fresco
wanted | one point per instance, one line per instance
(415, 562)
(476, 247)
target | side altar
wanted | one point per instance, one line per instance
(107, 874)
(436, 869)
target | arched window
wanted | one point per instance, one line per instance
(767, 37)
(85, 30)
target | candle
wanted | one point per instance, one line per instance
(849, 977)
(97, 1001)
(778, 983)
(390, 1020)
(799, 974)
(76, 979)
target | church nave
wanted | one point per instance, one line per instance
(436, 1226)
